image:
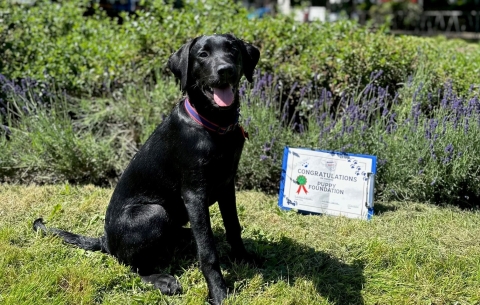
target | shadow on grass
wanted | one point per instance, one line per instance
(289, 260)
(336, 281)
(380, 208)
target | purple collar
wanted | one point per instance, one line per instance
(206, 123)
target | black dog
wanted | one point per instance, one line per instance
(187, 164)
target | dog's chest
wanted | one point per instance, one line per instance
(222, 162)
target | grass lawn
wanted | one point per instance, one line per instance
(409, 253)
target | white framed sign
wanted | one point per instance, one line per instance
(327, 182)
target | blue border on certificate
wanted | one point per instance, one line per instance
(284, 175)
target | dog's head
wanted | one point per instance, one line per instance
(214, 66)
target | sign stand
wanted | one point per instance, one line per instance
(327, 182)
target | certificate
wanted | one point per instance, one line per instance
(327, 182)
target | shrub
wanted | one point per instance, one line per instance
(84, 54)
(424, 154)
(49, 136)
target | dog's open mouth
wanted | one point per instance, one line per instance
(223, 95)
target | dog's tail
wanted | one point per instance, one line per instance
(83, 242)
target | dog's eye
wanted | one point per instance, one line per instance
(203, 54)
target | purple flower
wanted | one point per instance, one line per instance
(420, 86)
(263, 157)
(368, 88)
(457, 104)
(302, 92)
(449, 150)
(444, 103)
(384, 112)
(376, 75)
(444, 123)
(265, 147)
(416, 114)
(395, 99)
(242, 89)
(301, 129)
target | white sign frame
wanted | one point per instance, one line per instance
(327, 182)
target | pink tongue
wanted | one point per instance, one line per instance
(223, 97)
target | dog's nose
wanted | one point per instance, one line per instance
(226, 71)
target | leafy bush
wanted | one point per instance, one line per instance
(84, 54)
(48, 136)
(424, 154)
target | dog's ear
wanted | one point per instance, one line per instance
(250, 57)
(178, 63)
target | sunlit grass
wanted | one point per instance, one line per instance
(409, 253)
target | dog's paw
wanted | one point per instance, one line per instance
(217, 295)
(166, 283)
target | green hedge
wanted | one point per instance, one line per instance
(83, 54)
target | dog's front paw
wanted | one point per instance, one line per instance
(217, 295)
(166, 283)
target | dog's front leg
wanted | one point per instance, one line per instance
(197, 208)
(228, 209)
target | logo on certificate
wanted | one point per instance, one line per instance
(301, 181)
(331, 165)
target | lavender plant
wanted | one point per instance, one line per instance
(40, 142)
(426, 151)
(424, 154)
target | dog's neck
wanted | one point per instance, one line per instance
(215, 115)
(208, 124)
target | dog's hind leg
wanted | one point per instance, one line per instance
(143, 237)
